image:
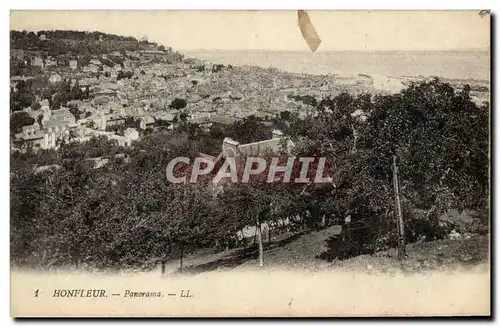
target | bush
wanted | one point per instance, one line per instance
(20, 119)
(178, 104)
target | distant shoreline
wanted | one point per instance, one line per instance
(186, 51)
(450, 64)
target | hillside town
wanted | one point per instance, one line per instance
(122, 94)
(96, 119)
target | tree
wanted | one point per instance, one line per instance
(178, 104)
(23, 97)
(426, 127)
(35, 105)
(441, 140)
(75, 111)
(285, 115)
(250, 129)
(76, 92)
(183, 117)
(18, 120)
(217, 68)
(306, 99)
(57, 101)
(122, 75)
(39, 119)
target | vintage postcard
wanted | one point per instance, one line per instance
(250, 163)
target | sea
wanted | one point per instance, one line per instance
(448, 64)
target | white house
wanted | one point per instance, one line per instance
(130, 135)
(55, 78)
(387, 83)
(73, 64)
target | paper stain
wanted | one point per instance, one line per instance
(483, 13)
(308, 31)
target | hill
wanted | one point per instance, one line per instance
(59, 42)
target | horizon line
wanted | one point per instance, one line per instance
(341, 50)
(481, 49)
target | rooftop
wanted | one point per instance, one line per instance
(224, 120)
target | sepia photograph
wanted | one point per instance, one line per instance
(250, 163)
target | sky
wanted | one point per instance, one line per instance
(276, 30)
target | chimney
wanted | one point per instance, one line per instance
(45, 141)
(277, 134)
(103, 122)
(230, 147)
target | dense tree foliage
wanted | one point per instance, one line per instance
(60, 42)
(22, 97)
(178, 103)
(250, 129)
(18, 120)
(306, 99)
(58, 94)
(122, 75)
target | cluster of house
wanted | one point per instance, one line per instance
(95, 65)
(145, 98)
(52, 127)
(212, 99)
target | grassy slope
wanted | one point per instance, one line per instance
(300, 251)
